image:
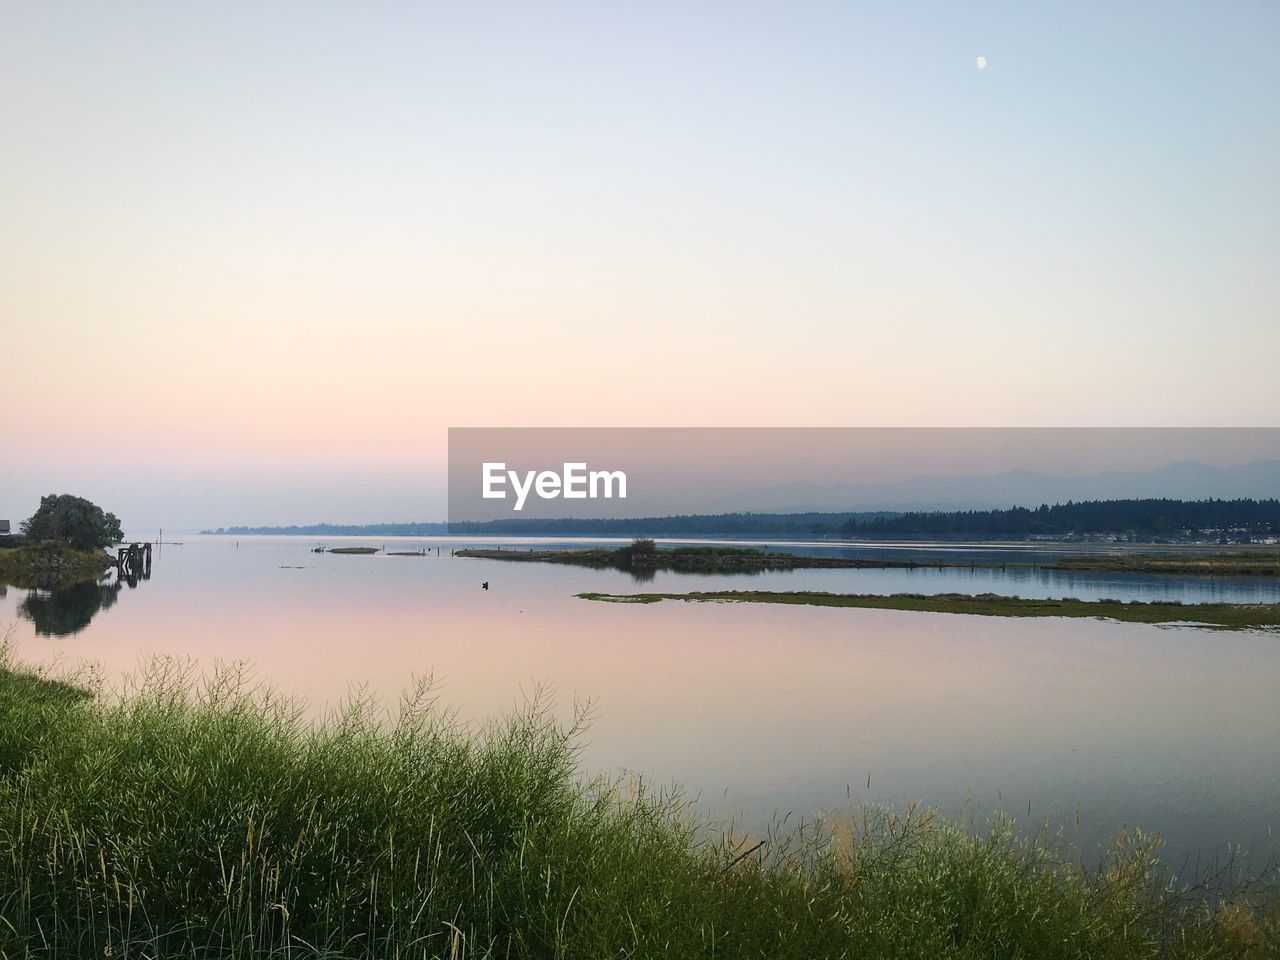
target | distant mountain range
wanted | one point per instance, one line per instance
(1187, 480)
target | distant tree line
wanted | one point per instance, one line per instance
(1151, 518)
(340, 530)
(729, 525)
(773, 525)
(1142, 518)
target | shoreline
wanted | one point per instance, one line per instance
(1221, 616)
(45, 566)
(214, 814)
(691, 558)
(1262, 562)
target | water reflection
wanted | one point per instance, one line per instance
(761, 709)
(1028, 571)
(1027, 582)
(641, 574)
(134, 563)
(66, 610)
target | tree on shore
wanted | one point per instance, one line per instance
(72, 520)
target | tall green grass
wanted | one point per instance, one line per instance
(209, 819)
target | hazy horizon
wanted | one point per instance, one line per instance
(258, 259)
(709, 494)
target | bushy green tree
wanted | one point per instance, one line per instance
(72, 520)
(643, 546)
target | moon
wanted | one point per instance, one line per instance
(982, 63)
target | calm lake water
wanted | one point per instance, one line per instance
(759, 710)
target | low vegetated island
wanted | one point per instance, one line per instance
(1220, 615)
(208, 821)
(643, 556)
(646, 554)
(61, 543)
(1255, 562)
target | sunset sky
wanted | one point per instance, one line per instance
(255, 259)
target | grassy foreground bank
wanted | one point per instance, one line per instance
(1231, 616)
(209, 822)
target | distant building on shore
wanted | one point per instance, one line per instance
(4, 528)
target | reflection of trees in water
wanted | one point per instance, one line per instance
(68, 609)
(645, 574)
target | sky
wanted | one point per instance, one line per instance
(256, 259)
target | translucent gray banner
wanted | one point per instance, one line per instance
(512, 474)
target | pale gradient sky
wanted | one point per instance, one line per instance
(256, 258)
